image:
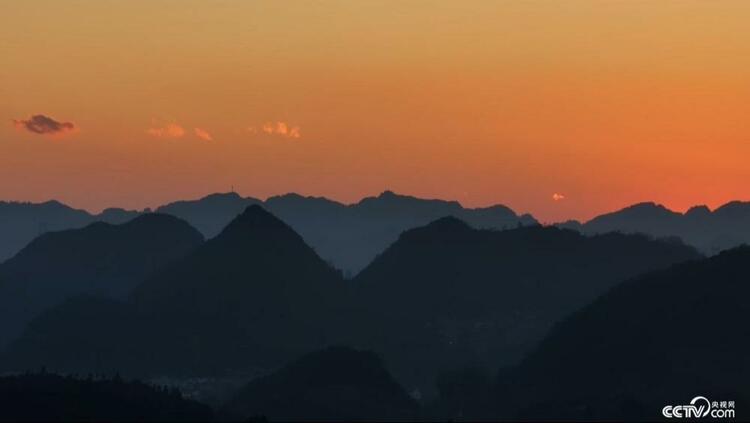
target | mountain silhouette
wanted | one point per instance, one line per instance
(658, 339)
(449, 295)
(86, 334)
(100, 259)
(255, 293)
(444, 296)
(211, 213)
(48, 397)
(348, 236)
(710, 231)
(250, 298)
(20, 223)
(335, 384)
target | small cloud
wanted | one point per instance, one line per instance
(170, 130)
(43, 125)
(281, 129)
(252, 130)
(203, 134)
(558, 197)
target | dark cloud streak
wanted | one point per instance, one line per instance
(43, 125)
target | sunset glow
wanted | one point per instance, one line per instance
(604, 103)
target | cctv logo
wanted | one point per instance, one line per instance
(700, 407)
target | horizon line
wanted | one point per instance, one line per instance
(354, 203)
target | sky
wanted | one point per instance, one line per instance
(561, 109)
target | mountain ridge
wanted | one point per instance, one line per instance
(99, 259)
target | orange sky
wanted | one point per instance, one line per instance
(605, 102)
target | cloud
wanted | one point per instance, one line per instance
(279, 128)
(170, 130)
(43, 125)
(558, 197)
(203, 134)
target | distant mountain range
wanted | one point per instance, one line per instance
(347, 236)
(350, 236)
(710, 231)
(20, 223)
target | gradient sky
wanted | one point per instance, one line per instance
(604, 103)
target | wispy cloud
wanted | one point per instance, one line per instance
(43, 125)
(558, 197)
(203, 134)
(279, 128)
(170, 130)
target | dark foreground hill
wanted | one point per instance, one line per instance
(48, 397)
(447, 295)
(659, 339)
(252, 297)
(83, 335)
(335, 384)
(101, 259)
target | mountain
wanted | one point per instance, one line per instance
(710, 231)
(658, 339)
(250, 298)
(85, 334)
(335, 384)
(347, 236)
(48, 397)
(255, 293)
(118, 216)
(350, 236)
(209, 214)
(22, 222)
(449, 295)
(99, 259)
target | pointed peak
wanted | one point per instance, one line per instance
(255, 220)
(257, 214)
(388, 194)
